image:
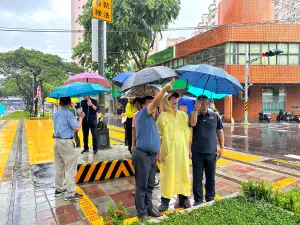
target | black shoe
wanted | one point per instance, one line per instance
(163, 207)
(84, 151)
(59, 193)
(95, 152)
(185, 205)
(197, 203)
(74, 197)
(153, 213)
(143, 218)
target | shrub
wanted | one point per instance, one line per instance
(116, 216)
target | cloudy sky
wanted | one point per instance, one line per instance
(56, 14)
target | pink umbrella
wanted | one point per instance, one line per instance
(91, 78)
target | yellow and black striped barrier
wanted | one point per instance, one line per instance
(246, 106)
(106, 170)
(38, 118)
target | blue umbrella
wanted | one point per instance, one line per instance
(2, 109)
(199, 91)
(77, 89)
(210, 78)
(121, 78)
(188, 101)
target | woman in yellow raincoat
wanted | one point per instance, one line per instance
(175, 133)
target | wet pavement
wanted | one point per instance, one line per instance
(260, 152)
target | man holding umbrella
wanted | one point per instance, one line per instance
(144, 156)
(207, 126)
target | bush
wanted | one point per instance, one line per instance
(259, 190)
(116, 216)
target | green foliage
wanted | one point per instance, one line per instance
(25, 70)
(116, 216)
(255, 190)
(16, 116)
(131, 35)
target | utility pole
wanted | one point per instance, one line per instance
(246, 85)
(101, 69)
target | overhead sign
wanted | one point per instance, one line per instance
(102, 10)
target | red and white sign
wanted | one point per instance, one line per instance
(38, 93)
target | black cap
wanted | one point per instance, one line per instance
(137, 99)
(144, 99)
(65, 101)
(175, 94)
(202, 97)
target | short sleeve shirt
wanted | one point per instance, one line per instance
(147, 137)
(205, 133)
(64, 124)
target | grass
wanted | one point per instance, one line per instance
(22, 115)
(234, 211)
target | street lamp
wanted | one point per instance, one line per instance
(270, 53)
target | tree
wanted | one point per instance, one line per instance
(136, 25)
(29, 69)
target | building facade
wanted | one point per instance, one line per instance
(174, 41)
(276, 80)
(76, 10)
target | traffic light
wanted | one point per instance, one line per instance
(272, 53)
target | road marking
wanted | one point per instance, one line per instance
(286, 162)
(89, 209)
(293, 156)
(240, 157)
(284, 183)
(223, 162)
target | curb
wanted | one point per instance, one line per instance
(106, 170)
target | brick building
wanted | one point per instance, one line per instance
(276, 80)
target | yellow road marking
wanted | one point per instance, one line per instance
(116, 128)
(89, 209)
(116, 134)
(240, 157)
(284, 182)
(7, 136)
(286, 162)
(90, 172)
(223, 162)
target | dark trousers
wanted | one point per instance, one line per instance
(207, 163)
(145, 170)
(129, 132)
(77, 139)
(86, 126)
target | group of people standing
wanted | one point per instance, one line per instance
(173, 138)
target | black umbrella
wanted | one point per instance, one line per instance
(152, 75)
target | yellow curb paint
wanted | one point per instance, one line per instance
(286, 162)
(7, 136)
(223, 162)
(117, 135)
(240, 157)
(89, 209)
(284, 183)
(116, 128)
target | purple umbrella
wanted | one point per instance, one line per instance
(91, 78)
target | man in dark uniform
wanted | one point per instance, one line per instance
(90, 107)
(144, 156)
(207, 126)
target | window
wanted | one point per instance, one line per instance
(192, 59)
(205, 54)
(273, 99)
(233, 59)
(283, 47)
(264, 47)
(199, 57)
(272, 60)
(242, 48)
(180, 62)
(242, 59)
(293, 48)
(255, 48)
(233, 48)
(227, 48)
(175, 64)
(282, 60)
(294, 60)
(227, 60)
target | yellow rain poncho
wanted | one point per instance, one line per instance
(175, 135)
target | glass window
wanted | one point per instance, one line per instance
(186, 60)
(242, 48)
(180, 62)
(264, 47)
(255, 48)
(265, 60)
(227, 48)
(293, 60)
(257, 62)
(192, 59)
(242, 59)
(272, 46)
(272, 60)
(233, 59)
(273, 99)
(282, 47)
(293, 48)
(282, 60)
(220, 60)
(233, 48)
(227, 60)
(175, 63)
(205, 54)
(199, 57)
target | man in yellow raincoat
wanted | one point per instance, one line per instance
(175, 133)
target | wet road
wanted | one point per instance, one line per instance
(275, 140)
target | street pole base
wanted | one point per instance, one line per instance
(246, 123)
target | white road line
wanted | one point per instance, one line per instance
(293, 156)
